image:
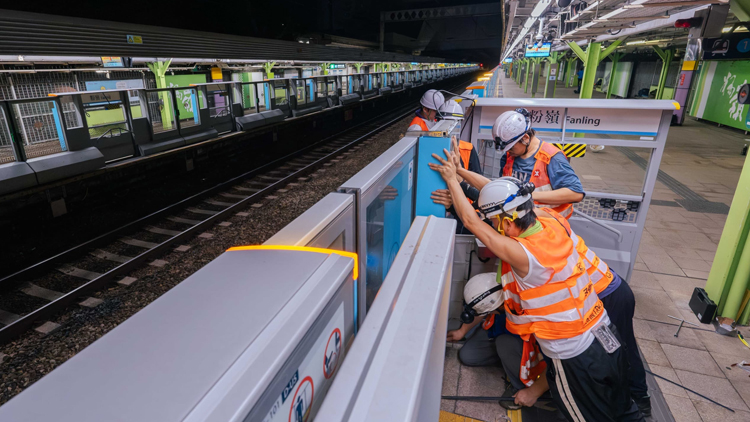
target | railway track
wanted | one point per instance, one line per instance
(33, 295)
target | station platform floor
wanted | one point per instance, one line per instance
(699, 174)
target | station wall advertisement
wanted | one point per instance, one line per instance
(715, 95)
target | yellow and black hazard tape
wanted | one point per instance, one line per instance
(572, 150)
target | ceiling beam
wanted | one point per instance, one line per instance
(672, 4)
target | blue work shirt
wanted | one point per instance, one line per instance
(561, 174)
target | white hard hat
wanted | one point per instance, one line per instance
(450, 110)
(482, 294)
(509, 127)
(504, 195)
(432, 99)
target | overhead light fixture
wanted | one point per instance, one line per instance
(636, 42)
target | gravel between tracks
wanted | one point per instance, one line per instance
(33, 355)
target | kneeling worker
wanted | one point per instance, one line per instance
(426, 116)
(530, 159)
(557, 305)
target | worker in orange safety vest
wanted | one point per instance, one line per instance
(426, 116)
(530, 159)
(553, 300)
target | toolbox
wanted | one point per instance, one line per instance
(703, 307)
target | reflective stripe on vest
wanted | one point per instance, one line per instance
(539, 176)
(597, 269)
(464, 148)
(565, 305)
(419, 121)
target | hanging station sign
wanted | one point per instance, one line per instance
(536, 50)
(610, 121)
(336, 66)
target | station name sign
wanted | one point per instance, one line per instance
(336, 66)
(624, 122)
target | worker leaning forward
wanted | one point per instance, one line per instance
(554, 305)
(530, 159)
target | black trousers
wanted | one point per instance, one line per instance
(620, 306)
(593, 386)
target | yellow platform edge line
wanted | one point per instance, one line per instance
(452, 417)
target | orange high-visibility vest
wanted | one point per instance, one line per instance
(598, 270)
(419, 121)
(539, 175)
(566, 305)
(464, 148)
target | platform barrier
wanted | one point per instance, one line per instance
(384, 197)
(611, 221)
(394, 369)
(248, 337)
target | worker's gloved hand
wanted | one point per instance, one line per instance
(442, 196)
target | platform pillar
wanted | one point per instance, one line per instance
(730, 272)
(615, 59)
(591, 58)
(160, 74)
(666, 60)
(570, 67)
(549, 88)
(529, 63)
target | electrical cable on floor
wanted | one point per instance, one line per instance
(692, 391)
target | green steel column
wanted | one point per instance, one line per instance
(160, 73)
(591, 59)
(267, 67)
(526, 77)
(553, 60)
(730, 271)
(615, 59)
(358, 66)
(571, 63)
(666, 60)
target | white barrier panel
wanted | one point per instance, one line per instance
(394, 369)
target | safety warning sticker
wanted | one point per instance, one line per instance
(304, 393)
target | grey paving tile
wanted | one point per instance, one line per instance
(664, 334)
(684, 253)
(696, 264)
(476, 381)
(653, 304)
(719, 389)
(692, 360)
(682, 409)
(742, 387)
(642, 330)
(653, 353)
(644, 279)
(725, 362)
(451, 370)
(666, 387)
(448, 405)
(722, 344)
(712, 413)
